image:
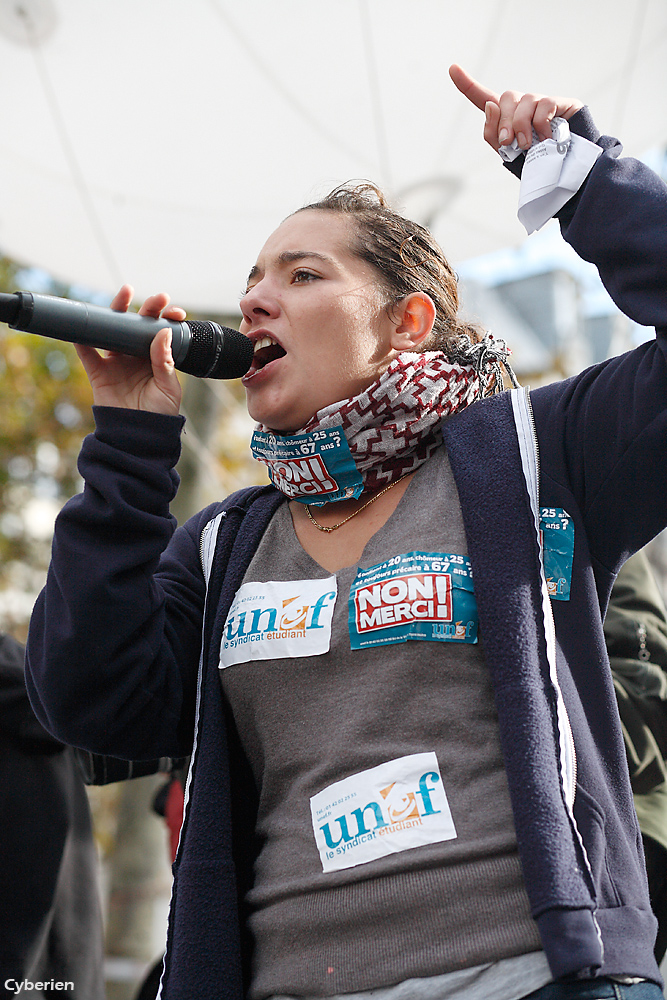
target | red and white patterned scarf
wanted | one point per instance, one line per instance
(395, 425)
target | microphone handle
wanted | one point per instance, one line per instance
(95, 326)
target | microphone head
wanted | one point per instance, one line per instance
(216, 351)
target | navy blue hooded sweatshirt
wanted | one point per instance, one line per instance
(114, 659)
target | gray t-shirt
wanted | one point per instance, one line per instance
(387, 848)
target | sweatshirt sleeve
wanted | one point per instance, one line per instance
(114, 639)
(604, 432)
(620, 225)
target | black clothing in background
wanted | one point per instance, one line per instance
(50, 919)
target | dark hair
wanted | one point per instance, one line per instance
(406, 257)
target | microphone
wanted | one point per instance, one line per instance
(200, 348)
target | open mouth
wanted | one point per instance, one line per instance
(266, 351)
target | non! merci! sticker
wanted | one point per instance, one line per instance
(418, 595)
(314, 468)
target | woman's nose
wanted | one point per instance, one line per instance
(258, 303)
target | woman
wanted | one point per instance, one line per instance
(365, 813)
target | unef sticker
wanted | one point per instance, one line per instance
(420, 595)
(557, 534)
(390, 808)
(307, 466)
(272, 621)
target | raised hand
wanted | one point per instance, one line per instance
(137, 383)
(513, 113)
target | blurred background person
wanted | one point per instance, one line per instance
(50, 917)
(636, 634)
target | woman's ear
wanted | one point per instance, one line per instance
(414, 317)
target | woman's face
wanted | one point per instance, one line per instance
(318, 319)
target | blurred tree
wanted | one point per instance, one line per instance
(45, 413)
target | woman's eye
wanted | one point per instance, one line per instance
(301, 276)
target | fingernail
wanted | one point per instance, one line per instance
(521, 139)
(487, 110)
(503, 136)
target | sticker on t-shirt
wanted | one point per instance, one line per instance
(272, 621)
(390, 808)
(419, 595)
(307, 467)
(557, 534)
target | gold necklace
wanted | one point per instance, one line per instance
(321, 527)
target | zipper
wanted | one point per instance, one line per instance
(525, 421)
(202, 542)
(569, 751)
(206, 551)
(207, 544)
(536, 443)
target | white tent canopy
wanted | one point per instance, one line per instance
(159, 142)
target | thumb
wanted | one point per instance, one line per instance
(491, 123)
(164, 370)
(161, 356)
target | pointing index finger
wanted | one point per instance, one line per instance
(470, 88)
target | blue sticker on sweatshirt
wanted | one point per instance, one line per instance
(557, 534)
(314, 468)
(419, 595)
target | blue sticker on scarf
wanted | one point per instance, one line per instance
(419, 595)
(315, 468)
(557, 534)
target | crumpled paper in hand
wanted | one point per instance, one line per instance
(554, 170)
